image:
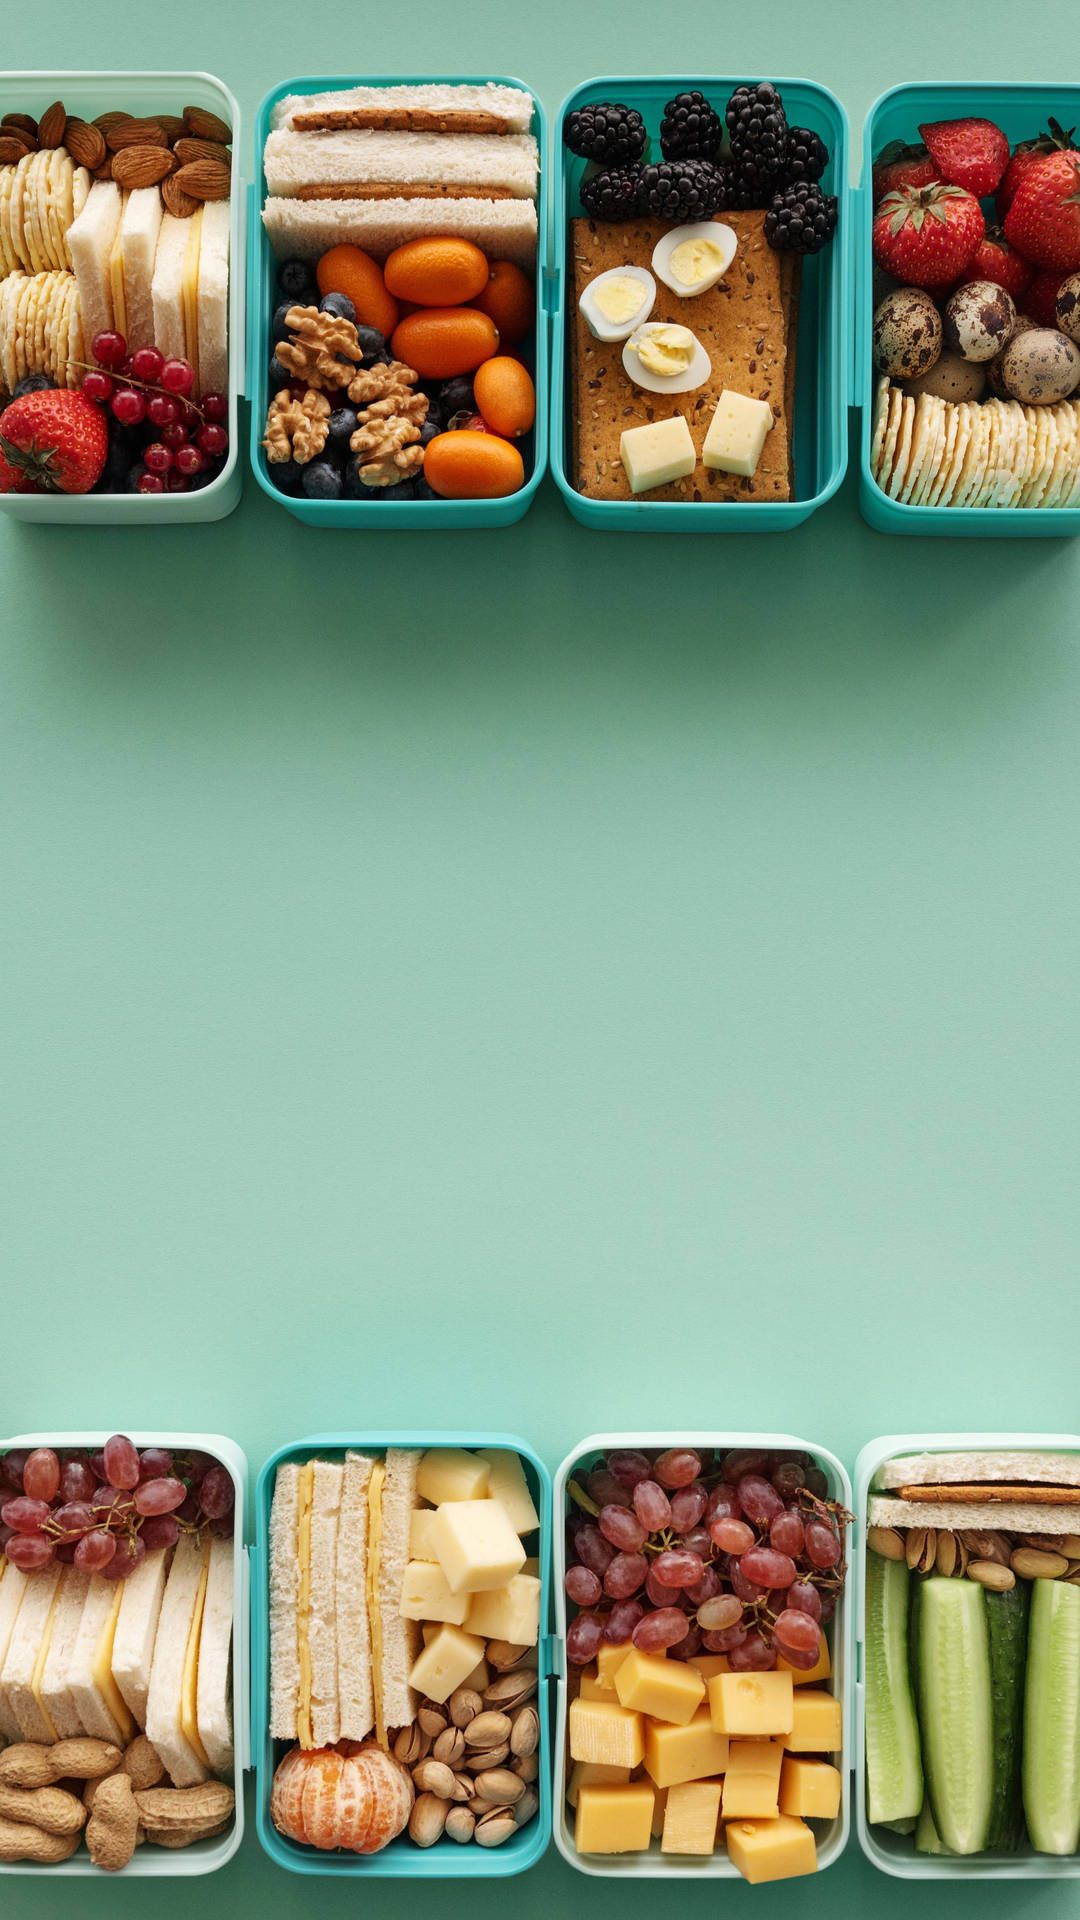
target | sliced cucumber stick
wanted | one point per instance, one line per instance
(955, 1711)
(1007, 1623)
(927, 1837)
(1051, 1762)
(893, 1766)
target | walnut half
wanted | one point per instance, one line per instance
(296, 429)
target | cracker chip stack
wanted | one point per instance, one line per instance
(39, 199)
(40, 328)
(929, 452)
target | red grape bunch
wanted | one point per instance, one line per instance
(682, 1553)
(104, 1511)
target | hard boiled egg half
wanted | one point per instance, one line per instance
(617, 301)
(664, 357)
(692, 259)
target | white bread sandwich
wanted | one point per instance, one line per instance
(167, 287)
(212, 332)
(449, 107)
(305, 229)
(190, 294)
(136, 1631)
(95, 1696)
(394, 1640)
(1006, 1491)
(213, 1699)
(91, 239)
(131, 266)
(13, 1584)
(410, 166)
(188, 1719)
(356, 1691)
(28, 1645)
(55, 1692)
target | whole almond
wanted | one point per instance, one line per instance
(141, 166)
(86, 144)
(104, 172)
(51, 125)
(427, 1820)
(10, 152)
(205, 180)
(135, 133)
(106, 121)
(206, 125)
(1031, 1564)
(171, 126)
(990, 1574)
(177, 202)
(24, 121)
(26, 141)
(188, 148)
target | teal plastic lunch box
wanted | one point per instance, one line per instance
(88, 94)
(262, 298)
(654, 1865)
(895, 1853)
(446, 1860)
(1020, 111)
(820, 441)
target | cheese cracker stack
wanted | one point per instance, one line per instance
(40, 328)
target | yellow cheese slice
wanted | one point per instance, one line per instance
(102, 1670)
(39, 1664)
(305, 1493)
(375, 1518)
(189, 1685)
(116, 275)
(189, 293)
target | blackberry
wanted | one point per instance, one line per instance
(740, 191)
(609, 133)
(613, 194)
(807, 156)
(690, 129)
(758, 130)
(802, 219)
(681, 190)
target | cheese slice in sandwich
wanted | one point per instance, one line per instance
(212, 344)
(95, 1696)
(137, 241)
(12, 1587)
(116, 272)
(136, 1628)
(356, 1693)
(306, 229)
(54, 1691)
(90, 239)
(27, 1652)
(166, 288)
(213, 1697)
(356, 165)
(394, 1641)
(425, 108)
(171, 1708)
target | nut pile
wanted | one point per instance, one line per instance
(995, 1560)
(188, 155)
(53, 1797)
(475, 1760)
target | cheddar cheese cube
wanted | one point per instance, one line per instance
(810, 1788)
(510, 1613)
(771, 1849)
(693, 1809)
(608, 1661)
(665, 1689)
(755, 1704)
(605, 1733)
(476, 1546)
(449, 1473)
(808, 1676)
(614, 1819)
(584, 1773)
(710, 1664)
(659, 1811)
(674, 1754)
(752, 1780)
(590, 1687)
(817, 1724)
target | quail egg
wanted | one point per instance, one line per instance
(617, 301)
(692, 259)
(995, 376)
(951, 378)
(906, 334)
(1068, 306)
(663, 357)
(1041, 367)
(980, 319)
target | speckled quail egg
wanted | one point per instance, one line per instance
(617, 301)
(1041, 367)
(1068, 306)
(664, 357)
(951, 378)
(980, 319)
(907, 334)
(994, 374)
(692, 259)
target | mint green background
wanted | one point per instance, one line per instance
(539, 979)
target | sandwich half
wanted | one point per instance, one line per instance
(13, 1583)
(211, 345)
(411, 166)
(170, 1709)
(1012, 1491)
(28, 1646)
(305, 229)
(213, 1698)
(95, 1696)
(356, 1692)
(55, 1691)
(91, 239)
(131, 266)
(167, 287)
(136, 1630)
(448, 107)
(395, 1642)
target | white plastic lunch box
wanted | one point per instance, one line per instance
(895, 1853)
(205, 1856)
(88, 94)
(654, 1865)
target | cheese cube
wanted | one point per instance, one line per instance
(532, 1565)
(752, 1703)
(752, 1780)
(477, 1547)
(771, 1849)
(810, 1788)
(736, 435)
(510, 1613)
(818, 1723)
(659, 1810)
(449, 1473)
(693, 1808)
(426, 1596)
(657, 453)
(446, 1662)
(605, 1733)
(614, 1819)
(421, 1545)
(808, 1676)
(608, 1661)
(590, 1687)
(666, 1689)
(584, 1773)
(694, 1752)
(710, 1664)
(507, 1484)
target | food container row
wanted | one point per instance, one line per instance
(789, 337)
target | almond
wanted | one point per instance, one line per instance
(51, 125)
(206, 126)
(86, 144)
(26, 142)
(187, 148)
(25, 122)
(135, 133)
(141, 166)
(176, 201)
(11, 151)
(115, 119)
(205, 180)
(104, 172)
(171, 126)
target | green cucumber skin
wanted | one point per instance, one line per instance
(1007, 1624)
(955, 1711)
(1051, 1762)
(927, 1837)
(894, 1781)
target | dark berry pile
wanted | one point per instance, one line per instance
(680, 190)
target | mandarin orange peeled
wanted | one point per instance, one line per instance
(505, 395)
(359, 1801)
(472, 466)
(440, 272)
(351, 271)
(510, 298)
(440, 342)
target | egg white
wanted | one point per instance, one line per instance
(695, 375)
(602, 329)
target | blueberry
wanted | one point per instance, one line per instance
(294, 279)
(405, 490)
(197, 481)
(428, 431)
(456, 396)
(34, 383)
(423, 490)
(277, 375)
(342, 425)
(371, 340)
(321, 481)
(134, 475)
(278, 328)
(338, 303)
(286, 475)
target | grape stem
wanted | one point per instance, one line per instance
(580, 1498)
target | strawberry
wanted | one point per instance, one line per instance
(1056, 141)
(900, 166)
(1040, 300)
(967, 153)
(1043, 222)
(927, 236)
(997, 261)
(54, 440)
